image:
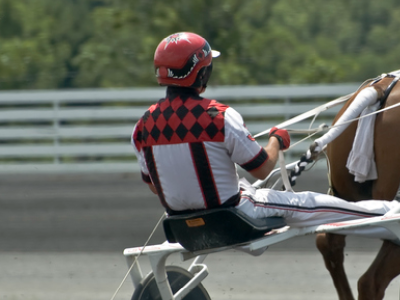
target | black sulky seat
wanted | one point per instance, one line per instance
(214, 228)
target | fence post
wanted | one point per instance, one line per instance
(56, 142)
(287, 102)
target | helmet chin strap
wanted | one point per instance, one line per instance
(202, 79)
(202, 89)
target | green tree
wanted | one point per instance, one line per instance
(109, 43)
(38, 40)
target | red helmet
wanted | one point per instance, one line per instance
(180, 57)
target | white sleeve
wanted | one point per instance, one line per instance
(242, 147)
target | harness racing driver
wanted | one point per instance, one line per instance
(188, 147)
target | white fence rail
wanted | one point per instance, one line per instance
(89, 130)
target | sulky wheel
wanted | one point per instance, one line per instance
(177, 277)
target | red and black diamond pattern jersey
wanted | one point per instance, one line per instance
(182, 120)
(187, 147)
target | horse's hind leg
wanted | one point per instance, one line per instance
(331, 247)
(386, 266)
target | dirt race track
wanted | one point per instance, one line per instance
(62, 237)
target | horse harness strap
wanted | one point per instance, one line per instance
(389, 88)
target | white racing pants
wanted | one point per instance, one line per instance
(309, 208)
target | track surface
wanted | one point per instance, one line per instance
(62, 237)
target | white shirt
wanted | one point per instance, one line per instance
(187, 146)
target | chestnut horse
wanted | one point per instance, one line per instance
(386, 266)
